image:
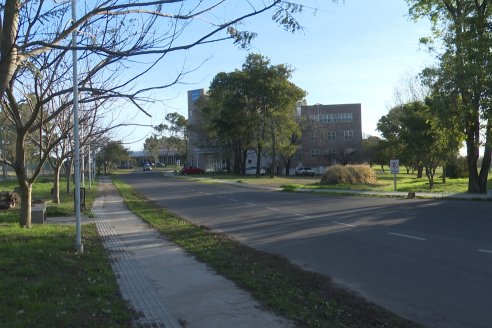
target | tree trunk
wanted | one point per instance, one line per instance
(56, 183)
(9, 58)
(68, 170)
(472, 154)
(420, 170)
(25, 186)
(274, 154)
(238, 159)
(429, 172)
(484, 170)
(287, 166)
(25, 210)
(259, 149)
(444, 174)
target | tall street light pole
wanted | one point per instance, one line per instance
(78, 240)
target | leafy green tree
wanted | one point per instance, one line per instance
(370, 149)
(254, 106)
(385, 152)
(391, 128)
(152, 146)
(287, 149)
(421, 134)
(112, 154)
(230, 121)
(462, 32)
(173, 134)
(274, 98)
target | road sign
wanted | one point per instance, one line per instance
(395, 166)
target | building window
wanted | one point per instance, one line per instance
(345, 118)
(349, 134)
(314, 135)
(331, 152)
(332, 118)
(331, 135)
(314, 153)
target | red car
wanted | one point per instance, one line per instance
(191, 170)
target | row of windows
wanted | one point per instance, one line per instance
(330, 135)
(332, 118)
(315, 153)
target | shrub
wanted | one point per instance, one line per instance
(457, 168)
(349, 174)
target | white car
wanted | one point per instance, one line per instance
(252, 170)
(305, 171)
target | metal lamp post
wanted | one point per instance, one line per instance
(78, 240)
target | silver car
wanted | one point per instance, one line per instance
(305, 171)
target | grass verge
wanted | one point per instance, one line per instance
(308, 298)
(405, 182)
(45, 283)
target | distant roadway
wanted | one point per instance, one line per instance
(427, 260)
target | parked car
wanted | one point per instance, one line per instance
(305, 171)
(191, 170)
(159, 164)
(252, 170)
(147, 167)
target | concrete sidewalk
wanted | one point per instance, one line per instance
(163, 283)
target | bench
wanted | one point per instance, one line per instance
(38, 213)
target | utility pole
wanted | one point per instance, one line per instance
(78, 235)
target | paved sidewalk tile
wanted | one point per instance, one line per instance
(134, 287)
(167, 285)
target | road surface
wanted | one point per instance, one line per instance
(427, 260)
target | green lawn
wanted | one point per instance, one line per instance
(45, 283)
(405, 182)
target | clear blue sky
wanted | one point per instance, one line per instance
(352, 52)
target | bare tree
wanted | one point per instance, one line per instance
(113, 35)
(409, 89)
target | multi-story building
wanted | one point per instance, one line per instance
(202, 152)
(330, 134)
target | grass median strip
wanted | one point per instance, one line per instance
(308, 298)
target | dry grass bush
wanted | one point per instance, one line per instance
(349, 174)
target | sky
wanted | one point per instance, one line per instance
(356, 51)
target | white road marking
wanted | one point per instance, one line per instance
(301, 215)
(344, 224)
(406, 236)
(273, 209)
(485, 251)
(250, 204)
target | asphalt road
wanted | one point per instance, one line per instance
(427, 260)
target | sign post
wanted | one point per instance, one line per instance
(394, 169)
